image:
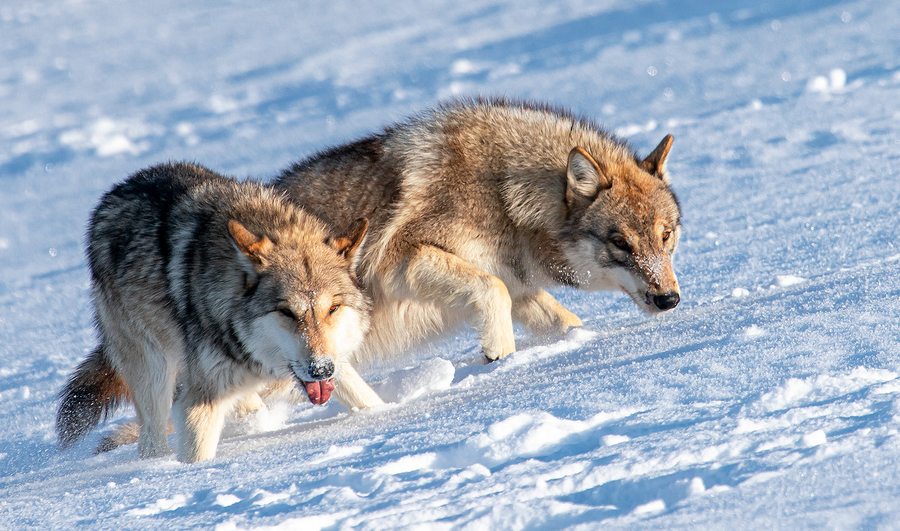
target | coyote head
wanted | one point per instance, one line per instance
(622, 226)
(307, 312)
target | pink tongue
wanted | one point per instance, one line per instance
(319, 392)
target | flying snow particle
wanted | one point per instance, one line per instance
(837, 78)
(462, 67)
(817, 84)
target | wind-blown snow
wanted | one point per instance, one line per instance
(770, 398)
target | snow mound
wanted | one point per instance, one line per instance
(409, 384)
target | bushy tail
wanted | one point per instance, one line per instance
(93, 392)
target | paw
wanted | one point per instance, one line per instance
(543, 315)
(506, 347)
(501, 344)
(153, 451)
(567, 320)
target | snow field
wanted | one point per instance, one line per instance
(767, 400)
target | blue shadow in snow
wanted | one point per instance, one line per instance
(565, 43)
(622, 496)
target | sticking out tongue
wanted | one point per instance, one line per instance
(319, 392)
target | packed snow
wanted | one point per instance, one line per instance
(769, 399)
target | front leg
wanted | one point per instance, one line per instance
(200, 426)
(542, 314)
(249, 403)
(437, 275)
(352, 391)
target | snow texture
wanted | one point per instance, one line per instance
(769, 399)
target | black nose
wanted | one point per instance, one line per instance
(321, 369)
(666, 301)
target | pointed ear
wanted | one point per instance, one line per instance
(584, 178)
(350, 243)
(655, 163)
(253, 247)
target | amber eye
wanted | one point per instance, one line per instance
(334, 308)
(666, 235)
(621, 244)
(288, 313)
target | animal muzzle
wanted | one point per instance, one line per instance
(663, 301)
(321, 369)
(317, 382)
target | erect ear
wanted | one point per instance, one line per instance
(655, 163)
(349, 244)
(254, 247)
(584, 178)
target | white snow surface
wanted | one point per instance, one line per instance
(769, 399)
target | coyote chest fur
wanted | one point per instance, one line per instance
(479, 206)
(205, 290)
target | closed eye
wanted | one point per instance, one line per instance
(287, 312)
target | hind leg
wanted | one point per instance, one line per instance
(144, 350)
(542, 314)
(152, 414)
(152, 402)
(149, 370)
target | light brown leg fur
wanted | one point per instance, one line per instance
(282, 389)
(353, 392)
(247, 404)
(200, 428)
(350, 389)
(542, 314)
(441, 276)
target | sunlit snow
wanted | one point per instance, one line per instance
(768, 399)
